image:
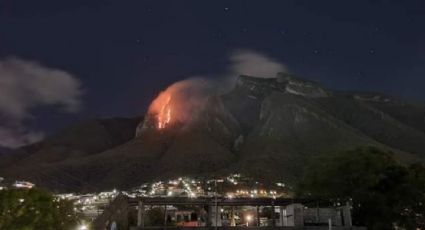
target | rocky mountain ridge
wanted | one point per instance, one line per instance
(267, 128)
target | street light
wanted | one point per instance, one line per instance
(248, 219)
(83, 227)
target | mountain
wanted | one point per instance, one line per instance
(267, 128)
(36, 161)
(4, 150)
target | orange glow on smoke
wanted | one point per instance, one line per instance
(179, 104)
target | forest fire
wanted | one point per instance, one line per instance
(180, 103)
(161, 109)
(164, 116)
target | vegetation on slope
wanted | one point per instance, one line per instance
(382, 192)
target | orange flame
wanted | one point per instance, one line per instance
(161, 110)
(164, 116)
(177, 104)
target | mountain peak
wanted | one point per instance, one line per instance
(283, 82)
(265, 128)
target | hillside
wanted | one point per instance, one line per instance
(34, 162)
(266, 128)
(4, 150)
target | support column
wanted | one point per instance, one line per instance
(258, 215)
(273, 215)
(330, 223)
(295, 215)
(281, 215)
(346, 213)
(165, 216)
(141, 215)
(210, 219)
(213, 215)
(317, 213)
(232, 217)
(217, 214)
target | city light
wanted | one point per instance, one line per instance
(248, 219)
(90, 205)
(83, 227)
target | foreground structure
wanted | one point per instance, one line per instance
(222, 213)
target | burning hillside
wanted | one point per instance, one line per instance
(178, 104)
(161, 109)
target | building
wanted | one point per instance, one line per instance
(209, 212)
(23, 184)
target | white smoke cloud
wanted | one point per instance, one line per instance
(13, 137)
(255, 64)
(188, 97)
(25, 85)
(247, 62)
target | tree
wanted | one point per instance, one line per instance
(28, 209)
(414, 214)
(155, 217)
(382, 192)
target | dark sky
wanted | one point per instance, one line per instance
(125, 52)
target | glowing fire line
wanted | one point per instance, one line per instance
(164, 116)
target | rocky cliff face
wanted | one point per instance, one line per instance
(284, 83)
(266, 128)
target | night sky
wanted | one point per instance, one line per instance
(125, 52)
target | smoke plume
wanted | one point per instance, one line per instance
(25, 85)
(255, 64)
(181, 101)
